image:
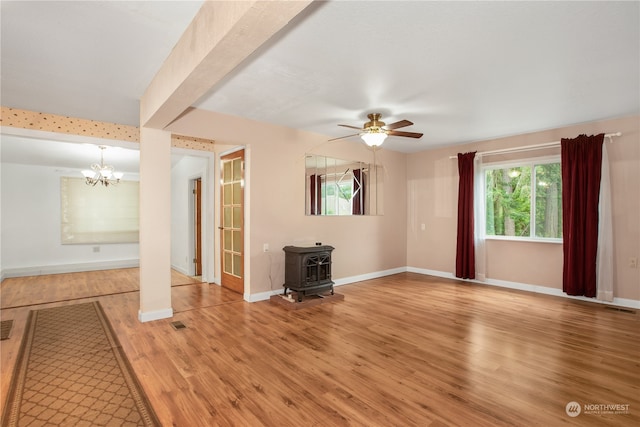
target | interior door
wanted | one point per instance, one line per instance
(232, 221)
(197, 221)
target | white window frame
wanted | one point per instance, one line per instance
(530, 162)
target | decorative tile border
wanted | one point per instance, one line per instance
(14, 117)
(192, 143)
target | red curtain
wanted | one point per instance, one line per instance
(315, 194)
(581, 159)
(465, 251)
(358, 192)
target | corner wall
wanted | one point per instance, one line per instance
(432, 187)
(31, 211)
(276, 196)
(31, 243)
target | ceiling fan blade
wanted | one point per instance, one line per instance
(396, 125)
(343, 137)
(407, 134)
(351, 127)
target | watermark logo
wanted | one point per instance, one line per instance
(606, 408)
(573, 409)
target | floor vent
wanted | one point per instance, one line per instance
(178, 325)
(624, 310)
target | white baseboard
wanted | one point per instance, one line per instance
(181, 270)
(149, 316)
(435, 273)
(369, 276)
(262, 296)
(68, 268)
(620, 302)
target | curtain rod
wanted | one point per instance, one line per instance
(530, 147)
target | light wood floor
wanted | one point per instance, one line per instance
(405, 350)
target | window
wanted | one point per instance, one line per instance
(98, 214)
(337, 191)
(524, 199)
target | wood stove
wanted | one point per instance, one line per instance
(307, 270)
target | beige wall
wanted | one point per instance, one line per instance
(276, 195)
(432, 180)
(419, 189)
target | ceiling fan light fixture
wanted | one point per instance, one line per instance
(375, 131)
(374, 139)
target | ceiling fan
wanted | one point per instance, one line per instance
(374, 132)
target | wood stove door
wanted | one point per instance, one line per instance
(232, 221)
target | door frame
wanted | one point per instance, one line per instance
(194, 209)
(208, 175)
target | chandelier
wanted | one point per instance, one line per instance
(101, 173)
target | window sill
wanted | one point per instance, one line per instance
(524, 239)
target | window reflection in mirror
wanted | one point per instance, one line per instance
(342, 187)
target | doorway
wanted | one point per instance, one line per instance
(197, 227)
(232, 221)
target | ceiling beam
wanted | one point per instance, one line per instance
(220, 37)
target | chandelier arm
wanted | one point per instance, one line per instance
(104, 174)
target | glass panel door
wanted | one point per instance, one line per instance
(232, 221)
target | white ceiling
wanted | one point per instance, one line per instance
(87, 59)
(461, 71)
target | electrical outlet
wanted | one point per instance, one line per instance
(265, 247)
(96, 249)
(633, 262)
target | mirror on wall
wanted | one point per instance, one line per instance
(342, 187)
